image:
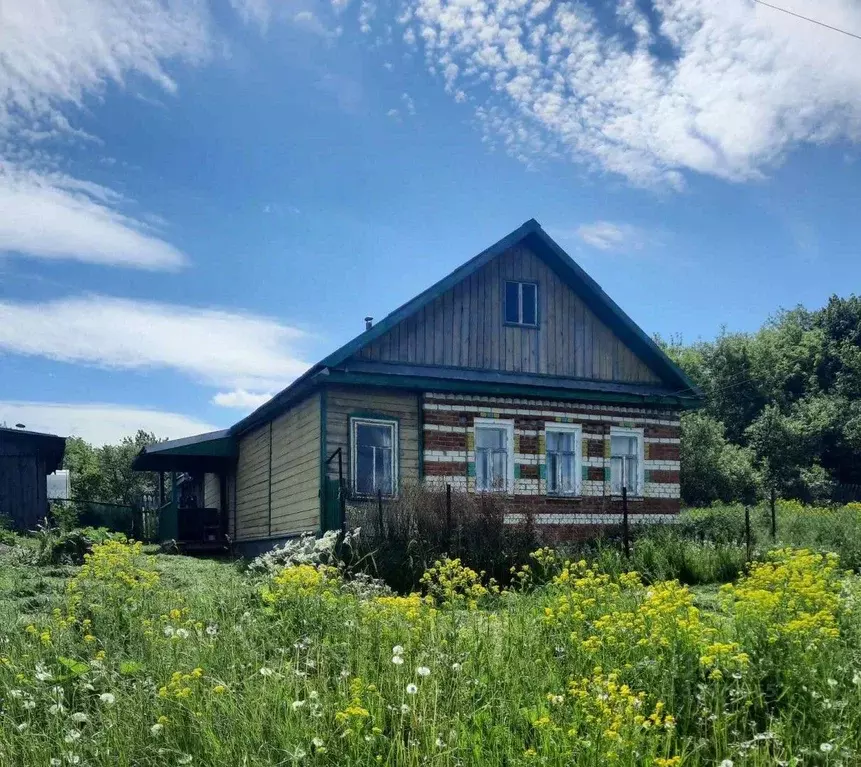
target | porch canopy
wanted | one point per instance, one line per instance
(209, 452)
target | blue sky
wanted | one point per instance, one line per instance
(199, 200)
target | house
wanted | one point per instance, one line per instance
(515, 374)
(26, 460)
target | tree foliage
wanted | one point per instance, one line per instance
(105, 473)
(789, 395)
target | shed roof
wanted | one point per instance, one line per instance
(50, 446)
(187, 453)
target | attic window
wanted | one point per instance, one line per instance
(521, 303)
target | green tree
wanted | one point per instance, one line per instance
(105, 473)
(713, 469)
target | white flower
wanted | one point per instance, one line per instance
(297, 704)
(80, 717)
(856, 677)
(182, 634)
(397, 650)
(412, 689)
(344, 673)
(456, 667)
(313, 695)
(56, 708)
(727, 763)
(317, 742)
(55, 762)
(108, 698)
(423, 671)
(405, 709)
(21, 727)
(299, 753)
(156, 729)
(397, 660)
(16, 693)
(826, 747)
(42, 673)
(184, 759)
(212, 629)
(832, 682)
(440, 743)
(168, 630)
(72, 758)
(29, 705)
(265, 671)
(557, 700)
(72, 736)
(57, 691)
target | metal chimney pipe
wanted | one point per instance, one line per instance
(369, 321)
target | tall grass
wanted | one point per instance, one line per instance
(162, 661)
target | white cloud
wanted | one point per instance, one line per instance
(56, 56)
(215, 347)
(56, 217)
(55, 52)
(731, 89)
(99, 424)
(610, 236)
(409, 104)
(241, 399)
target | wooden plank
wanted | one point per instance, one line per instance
(447, 318)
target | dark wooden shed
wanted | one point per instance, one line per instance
(26, 460)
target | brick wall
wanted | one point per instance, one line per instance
(449, 455)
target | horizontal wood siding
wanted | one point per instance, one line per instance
(296, 469)
(211, 491)
(278, 475)
(464, 328)
(252, 485)
(345, 401)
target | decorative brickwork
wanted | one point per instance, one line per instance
(449, 455)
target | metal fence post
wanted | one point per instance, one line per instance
(626, 540)
(448, 519)
(748, 542)
(380, 511)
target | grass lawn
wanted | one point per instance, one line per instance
(138, 660)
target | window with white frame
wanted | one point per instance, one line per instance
(521, 303)
(626, 461)
(562, 442)
(374, 456)
(494, 455)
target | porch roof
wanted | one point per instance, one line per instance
(202, 452)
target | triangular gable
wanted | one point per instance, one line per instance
(594, 339)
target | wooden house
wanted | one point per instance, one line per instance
(26, 460)
(515, 374)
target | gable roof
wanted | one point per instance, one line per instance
(533, 236)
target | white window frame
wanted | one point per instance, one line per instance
(495, 423)
(620, 431)
(566, 428)
(355, 422)
(519, 322)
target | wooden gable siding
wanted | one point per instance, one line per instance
(342, 402)
(464, 328)
(23, 485)
(277, 481)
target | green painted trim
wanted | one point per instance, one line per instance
(323, 457)
(470, 468)
(515, 390)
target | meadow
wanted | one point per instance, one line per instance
(136, 659)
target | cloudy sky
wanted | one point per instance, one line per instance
(199, 199)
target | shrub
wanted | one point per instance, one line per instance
(413, 532)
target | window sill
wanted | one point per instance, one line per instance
(559, 498)
(520, 325)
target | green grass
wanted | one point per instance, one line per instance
(188, 661)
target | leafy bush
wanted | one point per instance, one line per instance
(414, 532)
